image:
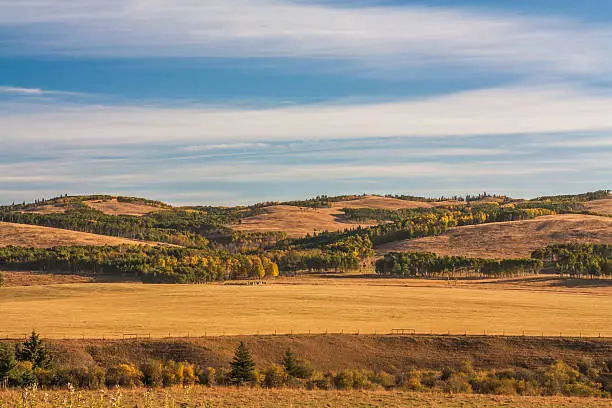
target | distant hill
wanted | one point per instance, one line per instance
(514, 239)
(45, 237)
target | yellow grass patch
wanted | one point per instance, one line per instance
(515, 239)
(297, 221)
(45, 237)
(115, 207)
(603, 206)
(96, 310)
(389, 203)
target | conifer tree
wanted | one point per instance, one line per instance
(243, 366)
(34, 351)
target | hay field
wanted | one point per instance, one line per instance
(275, 398)
(514, 239)
(115, 207)
(603, 206)
(45, 237)
(100, 309)
(299, 221)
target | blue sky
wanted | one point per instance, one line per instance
(237, 101)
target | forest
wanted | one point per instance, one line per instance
(428, 265)
(150, 264)
(577, 260)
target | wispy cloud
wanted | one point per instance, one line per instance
(384, 36)
(14, 90)
(496, 111)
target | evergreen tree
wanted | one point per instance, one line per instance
(289, 362)
(34, 351)
(7, 362)
(295, 367)
(243, 366)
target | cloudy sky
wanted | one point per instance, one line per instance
(237, 101)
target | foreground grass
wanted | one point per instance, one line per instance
(264, 398)
(111, 310)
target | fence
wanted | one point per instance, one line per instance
(395, 332)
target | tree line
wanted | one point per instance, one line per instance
(429, 265)
(31, 364)
(150, 264)
(577, 260)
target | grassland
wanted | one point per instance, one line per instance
(96, 310)
(299, 221)
(273, 398)
(603, 206)
(45, 237)
(515, 239)
(115, 207)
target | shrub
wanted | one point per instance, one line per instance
(124, 375)
(343, 380)
(207, 376)
(274, 377)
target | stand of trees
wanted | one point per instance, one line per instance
(151, 264)
(577, 260)
(429, 265)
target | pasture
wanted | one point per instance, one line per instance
(269, 398)
(347, 305)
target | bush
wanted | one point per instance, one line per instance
(207, 376)
(124, 375)
(343, 380)
(274, 377)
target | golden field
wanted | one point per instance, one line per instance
(347, 305)
(273, 398)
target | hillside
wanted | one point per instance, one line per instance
(603, 206)
(374, 201)
(299, 221)
(45, 237)
(296, 221)
(116, 207)
(515, 239)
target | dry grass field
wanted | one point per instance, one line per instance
(45, 237)
(603, 206)
(100, 309)
(28, 278)
(515, 239)
(276, 398)
(389, 203)
(115, 207)
(299, 221)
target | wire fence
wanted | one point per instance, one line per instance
(394, 332)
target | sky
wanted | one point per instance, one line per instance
(224, 102)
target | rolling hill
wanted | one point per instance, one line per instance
(45, 237)
(299, 221)
(514, 239)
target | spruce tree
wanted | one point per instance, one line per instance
(34, 350)
(243, 366)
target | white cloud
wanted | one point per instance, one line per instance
(497, 111)
(391, 37)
